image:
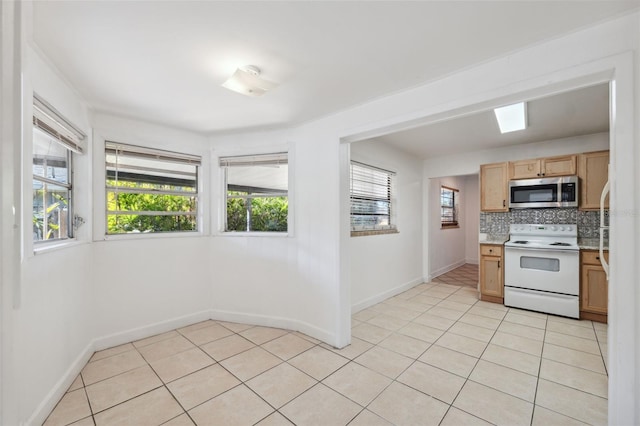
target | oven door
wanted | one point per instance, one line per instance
(556, 271)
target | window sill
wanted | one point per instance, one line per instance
(151, 235)
(253, 234)
(373, 232)
(60, 245)
(450, 227)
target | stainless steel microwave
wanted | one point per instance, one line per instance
(545, 192)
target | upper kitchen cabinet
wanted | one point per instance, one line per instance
(593, 171)
(564, 165)
(493, 187)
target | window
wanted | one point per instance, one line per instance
(149, 190)
(372, 198)
(448, 207)
(55, 142)
(256, 190)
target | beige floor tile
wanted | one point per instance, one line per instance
(112, 351)
(422, 332)
(211, 332)
(574, 377)
(236, 327)
(467, 299)
(260, 335)
(370, 333)
(433, 381)
(250, 363)
(405, 345)
(522, 330)
(573, 357)
(77, 384)
(156, 338)
(165, 348)
(274, 419)
(152, 408)
(87, 421)
(457, 417)
(572, 330)
(388, 322)
(239, 406)
(287, 346)
(472, 331)
(480, 321)
(425, 300)
(532, 314)
(202, 385)
(384, 361)
(434, 321)
(367, 418)
(365, 315)
(445, 313)
(571, 321)
(462, 344)
(505, 379)
(518, 343)
(493, 406)
(72, 407)
(516, 360)
(571, 402)
(449, 360)
(109, 392)
(399, 313)
(320, 406)
(528, 320)
(493, 306)
(402, 405)
(484, 311)
(181, 420)
(227, 347)
(306, 337)
(357, 383)
(111, 366)
(281, 384)
(196, 326)
(181, 364)
(356, 348)
(318, 362)
(544, 417)
(455, 306)
(407, 304)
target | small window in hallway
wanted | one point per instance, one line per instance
(372, 200)
(449, 201)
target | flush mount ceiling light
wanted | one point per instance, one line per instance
(246, 80)
(512, 117)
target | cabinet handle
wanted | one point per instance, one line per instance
(538, 174)
(498, 263)
(597, 257)
(491, 251)
(504, 203)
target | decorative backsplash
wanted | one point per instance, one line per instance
(498, 223)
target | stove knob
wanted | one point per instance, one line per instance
(562, 228)
(553, 228)
(569, 228)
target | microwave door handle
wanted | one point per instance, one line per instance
(604, 263)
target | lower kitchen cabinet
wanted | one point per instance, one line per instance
(491, 273)
(594, 287)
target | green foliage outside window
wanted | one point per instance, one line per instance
(268, 214)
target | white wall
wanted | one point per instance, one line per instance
(384, 265)
(472, 218)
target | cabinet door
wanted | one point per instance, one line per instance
(594, 289)
(559, 166)
(593, 170)
(524, 169)
(491, 276)
(493, 187)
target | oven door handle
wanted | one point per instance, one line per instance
(529, 249)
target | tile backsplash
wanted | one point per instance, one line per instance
(498, 223)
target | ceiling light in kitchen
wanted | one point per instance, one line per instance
(512, 117)
(246, 80)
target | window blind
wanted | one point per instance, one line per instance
(371, 197)
(255, 160)
(50, 121)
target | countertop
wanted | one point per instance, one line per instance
(591, 244)
(493, 239)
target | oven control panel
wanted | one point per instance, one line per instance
(544, 229)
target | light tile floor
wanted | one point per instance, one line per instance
(465, 275)
(431, 355)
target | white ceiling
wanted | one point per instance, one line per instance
(164, 61)
(576, 113)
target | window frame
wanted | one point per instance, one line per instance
(225, 162)
(390, 198)
(454, 222)
(152, 154)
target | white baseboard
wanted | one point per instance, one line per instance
(472, 261)
(370, 301)
(60, 388)
(277, 322)
(446, 269)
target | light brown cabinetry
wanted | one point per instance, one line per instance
(543, 167)
(493, 187)
(491, 273)
(593, 171)
(594, 288)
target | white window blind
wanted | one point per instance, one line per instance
(371, 197)
(50, 121)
